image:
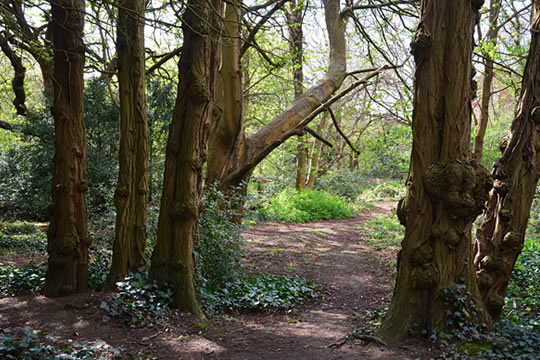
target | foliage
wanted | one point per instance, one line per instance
(309, 205)
(26, 169)
(139, 301)
(220, 240)
(21, 238)
(345, 183)
(467, 337)
(20, 280)
(385, 232)
(264, 292)
(33, 344)
(384, 191)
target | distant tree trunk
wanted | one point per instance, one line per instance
(131, 193)
(501, 236)
(446, 191)
(480, 132)
(172, 259)
(315, 153)
(18, 79)
(294, 15)
(232, 162)
(67, 235)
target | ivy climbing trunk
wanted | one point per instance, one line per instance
(173, 258)
(446, 190)
(68, 239)
(131, 193)
(500, 238)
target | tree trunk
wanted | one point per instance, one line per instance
(445, 189)
(18, 79)
(172, 259)
(67, 235)
(480, 132)
(315, 153)
(131, 193)
(243, 154)
(501, 236)
(294, 16)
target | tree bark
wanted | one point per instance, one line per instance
(172, 259)
(131, 193)
(18, 79)
(315, 153)
(500, 238)
(480, 132)
(445, 189)
(242, 155)
(67, 235)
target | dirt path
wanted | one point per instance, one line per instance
(353, 277)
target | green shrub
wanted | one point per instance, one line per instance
(20, 280)
(139, 301)
(384, 192)
(309, 205)
(344, 183)
(264, 292)
(220, 250)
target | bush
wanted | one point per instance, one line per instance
(140, 301)
(309, 205)
(21, 280)
(344, 183)
(385, 191)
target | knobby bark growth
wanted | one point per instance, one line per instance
(67, 235)
(131, 193)
(446, 191)
(172, 259)
(501, 236)
(233, 156)
(491, 37)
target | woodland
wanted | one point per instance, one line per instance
(269, 179)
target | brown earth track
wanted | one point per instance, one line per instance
(352, 276)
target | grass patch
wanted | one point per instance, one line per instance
(385, 232)
(308, 205)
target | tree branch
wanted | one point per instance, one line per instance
(336, 125)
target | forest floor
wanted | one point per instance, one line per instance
(354, 280)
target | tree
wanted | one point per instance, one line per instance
(446, 191)
(67, 235)
(133, 180)
(232, 155)
(500, 238)
(491, 42)
(172, 259)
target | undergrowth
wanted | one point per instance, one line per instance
(33, 344)
(385, 232)
(308, 205)
(385, 191)
(19, 237)
(139, 301)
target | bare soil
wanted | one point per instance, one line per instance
(352, 277)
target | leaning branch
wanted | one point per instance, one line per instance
(336, 125)
(318, 137)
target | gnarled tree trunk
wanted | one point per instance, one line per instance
(172, 260)
(67, 235)
(501, 236)
(445, 189)
(18, 79)
(131, 193)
